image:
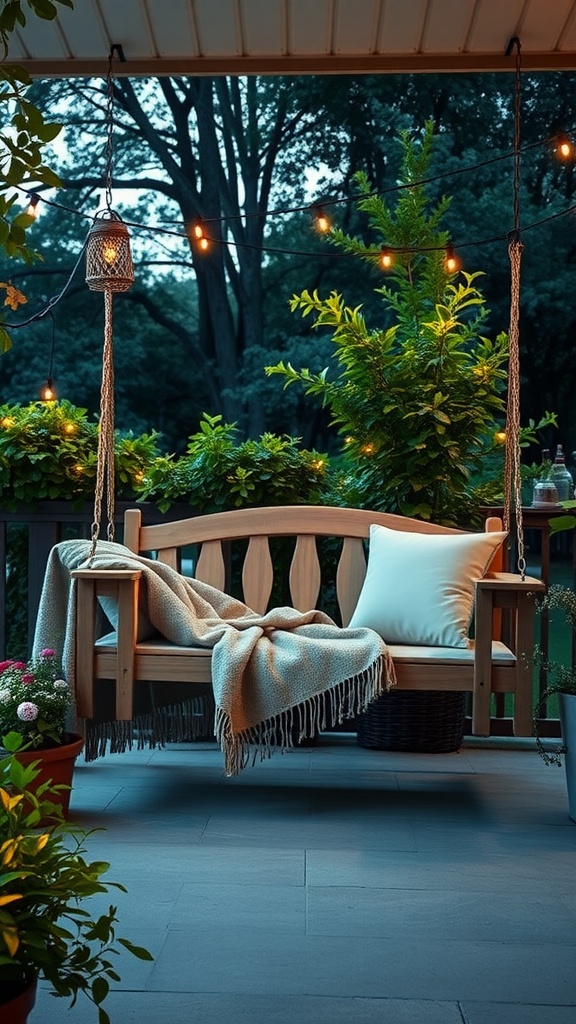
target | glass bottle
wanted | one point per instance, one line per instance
(561, 476)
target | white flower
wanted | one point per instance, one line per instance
(4, 696)
(27, 711)
(60, 684)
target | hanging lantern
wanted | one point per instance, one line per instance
(108, 257)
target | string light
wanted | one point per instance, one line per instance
(386, 260)
(32, 208)
(47, 392)
(564, 148)
(200, 237)
(322, 221)
(451, 263)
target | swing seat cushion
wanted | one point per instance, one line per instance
(419, 587)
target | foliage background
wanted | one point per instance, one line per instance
(176, 355)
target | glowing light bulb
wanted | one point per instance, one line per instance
(32, 208)
(564, 148)
(48, 394)
(69, 428)
(7, 422)
(198, 231)
(450, 262)
(110, 252)
(203, 244)
(322, 221)
(386, 259)
(500, 437)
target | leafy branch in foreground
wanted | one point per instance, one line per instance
(23, 135)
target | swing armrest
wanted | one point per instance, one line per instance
(507, 592)
(508, 583)
(123, 585)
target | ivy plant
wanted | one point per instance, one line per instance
(418, 398)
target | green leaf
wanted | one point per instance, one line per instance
(138, 951)
(100, 989)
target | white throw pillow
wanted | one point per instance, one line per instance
(419, 587)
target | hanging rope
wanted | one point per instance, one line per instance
(512, 472)
(105, 461)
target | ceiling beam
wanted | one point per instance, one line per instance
(371, 64)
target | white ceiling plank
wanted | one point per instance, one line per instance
(217, 27)
(125, 25)
(309, 26)
(543, 26)
(356, 21)
(263, 26)
(84, 37)
(402, 26)
(496, 23)
(40, 38)
(173, 35)
(448, 26)
(568, 43)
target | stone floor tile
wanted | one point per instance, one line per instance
(210, 1008)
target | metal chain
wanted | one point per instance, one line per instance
(105, 458)
(109, 130)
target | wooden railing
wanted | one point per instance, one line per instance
(47, 524)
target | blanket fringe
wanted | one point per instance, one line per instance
(175, 723)
(331, 707)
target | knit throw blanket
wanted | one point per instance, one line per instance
(269, 672)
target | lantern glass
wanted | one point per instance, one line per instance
(108, 256)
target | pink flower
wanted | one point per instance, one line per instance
(19, 664)
(27, 711)
(5, 664)
(27, 677)
(47, 653)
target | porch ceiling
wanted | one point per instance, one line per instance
(212, 37)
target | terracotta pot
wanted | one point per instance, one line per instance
(16, 1010)
(56, 764)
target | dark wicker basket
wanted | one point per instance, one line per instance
(420, 721)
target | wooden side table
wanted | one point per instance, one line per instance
(540, 519)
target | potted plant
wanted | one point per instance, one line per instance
(35, 703)
(45, 933)
(562, 682)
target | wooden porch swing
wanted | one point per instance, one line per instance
(493, 662)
